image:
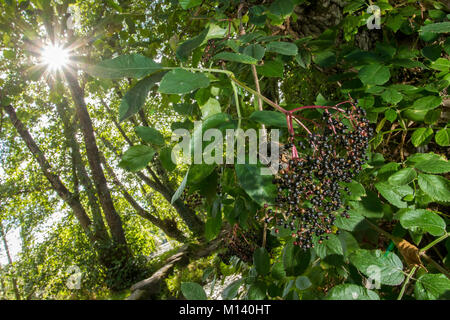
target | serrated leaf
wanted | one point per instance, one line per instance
(185, 49)
(439, 27)
(165, 155)
(442, 137)
(282, 8)
(231, 291)
(193, 291)
(284, 48)
(257, 291)
(302, 283)
(295, 260)
(432, 287)
(427, 103)
(374, 264)
(256, 51)
(136, 158)
(392, 96)
(261, 261)
(125, 66)
(180, 81)
(421, 136)
(349, 224)
(150, 135)
(402, 177)
(211, 107)
(434, 166)
(351, 292)
(424, 219)
(329, 247)
(259, 187)
(369, 206)
(271, 69)
(374, 74)
(394, 194)
(135, 98)
(235, 57)
(436, 187)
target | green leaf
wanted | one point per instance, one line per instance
(231, 291)
(328, 247)
(374, 264)
(402, 177)
(136, 158)
(391, 115)
(261, 261)
(420, 157)
(185, 49)
(282, 8)
(302, 283)
(125, 66)
(193, 291)
(211, 107)
(259, 187)
(199, 172)
(187, 4)
(351, 292)
(356, 189)
(432, 287)
(135, 98)
(374, 74)
(180, 81)
(436, 187)
(303, 58)
(180, 189)
(392, 96)
(440, 27)
(150, 135)
(349, 224)
(214, 222)
(394, 194)
(427, 103)
(235, 57)
(434, 166)
(441, 64)
(257, 291)
(256, 51)
(424, 219)
(442, 137)
(271, 69)
(432, 116)
(165, 155)
(421, 136)
(278, 272)
(369, 206)
(270, 118)
(325, 59)
(295, 260)
(284, 48)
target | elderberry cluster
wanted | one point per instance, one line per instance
(193, 200)
(311, 180)
(210, 50)
(241, 244)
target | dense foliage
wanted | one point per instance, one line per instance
(358, 92)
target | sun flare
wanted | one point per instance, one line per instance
(55, 57)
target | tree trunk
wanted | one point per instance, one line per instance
(54, 180)
(111, 215)
(8, 255)
(165, 225)
(80, 171)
